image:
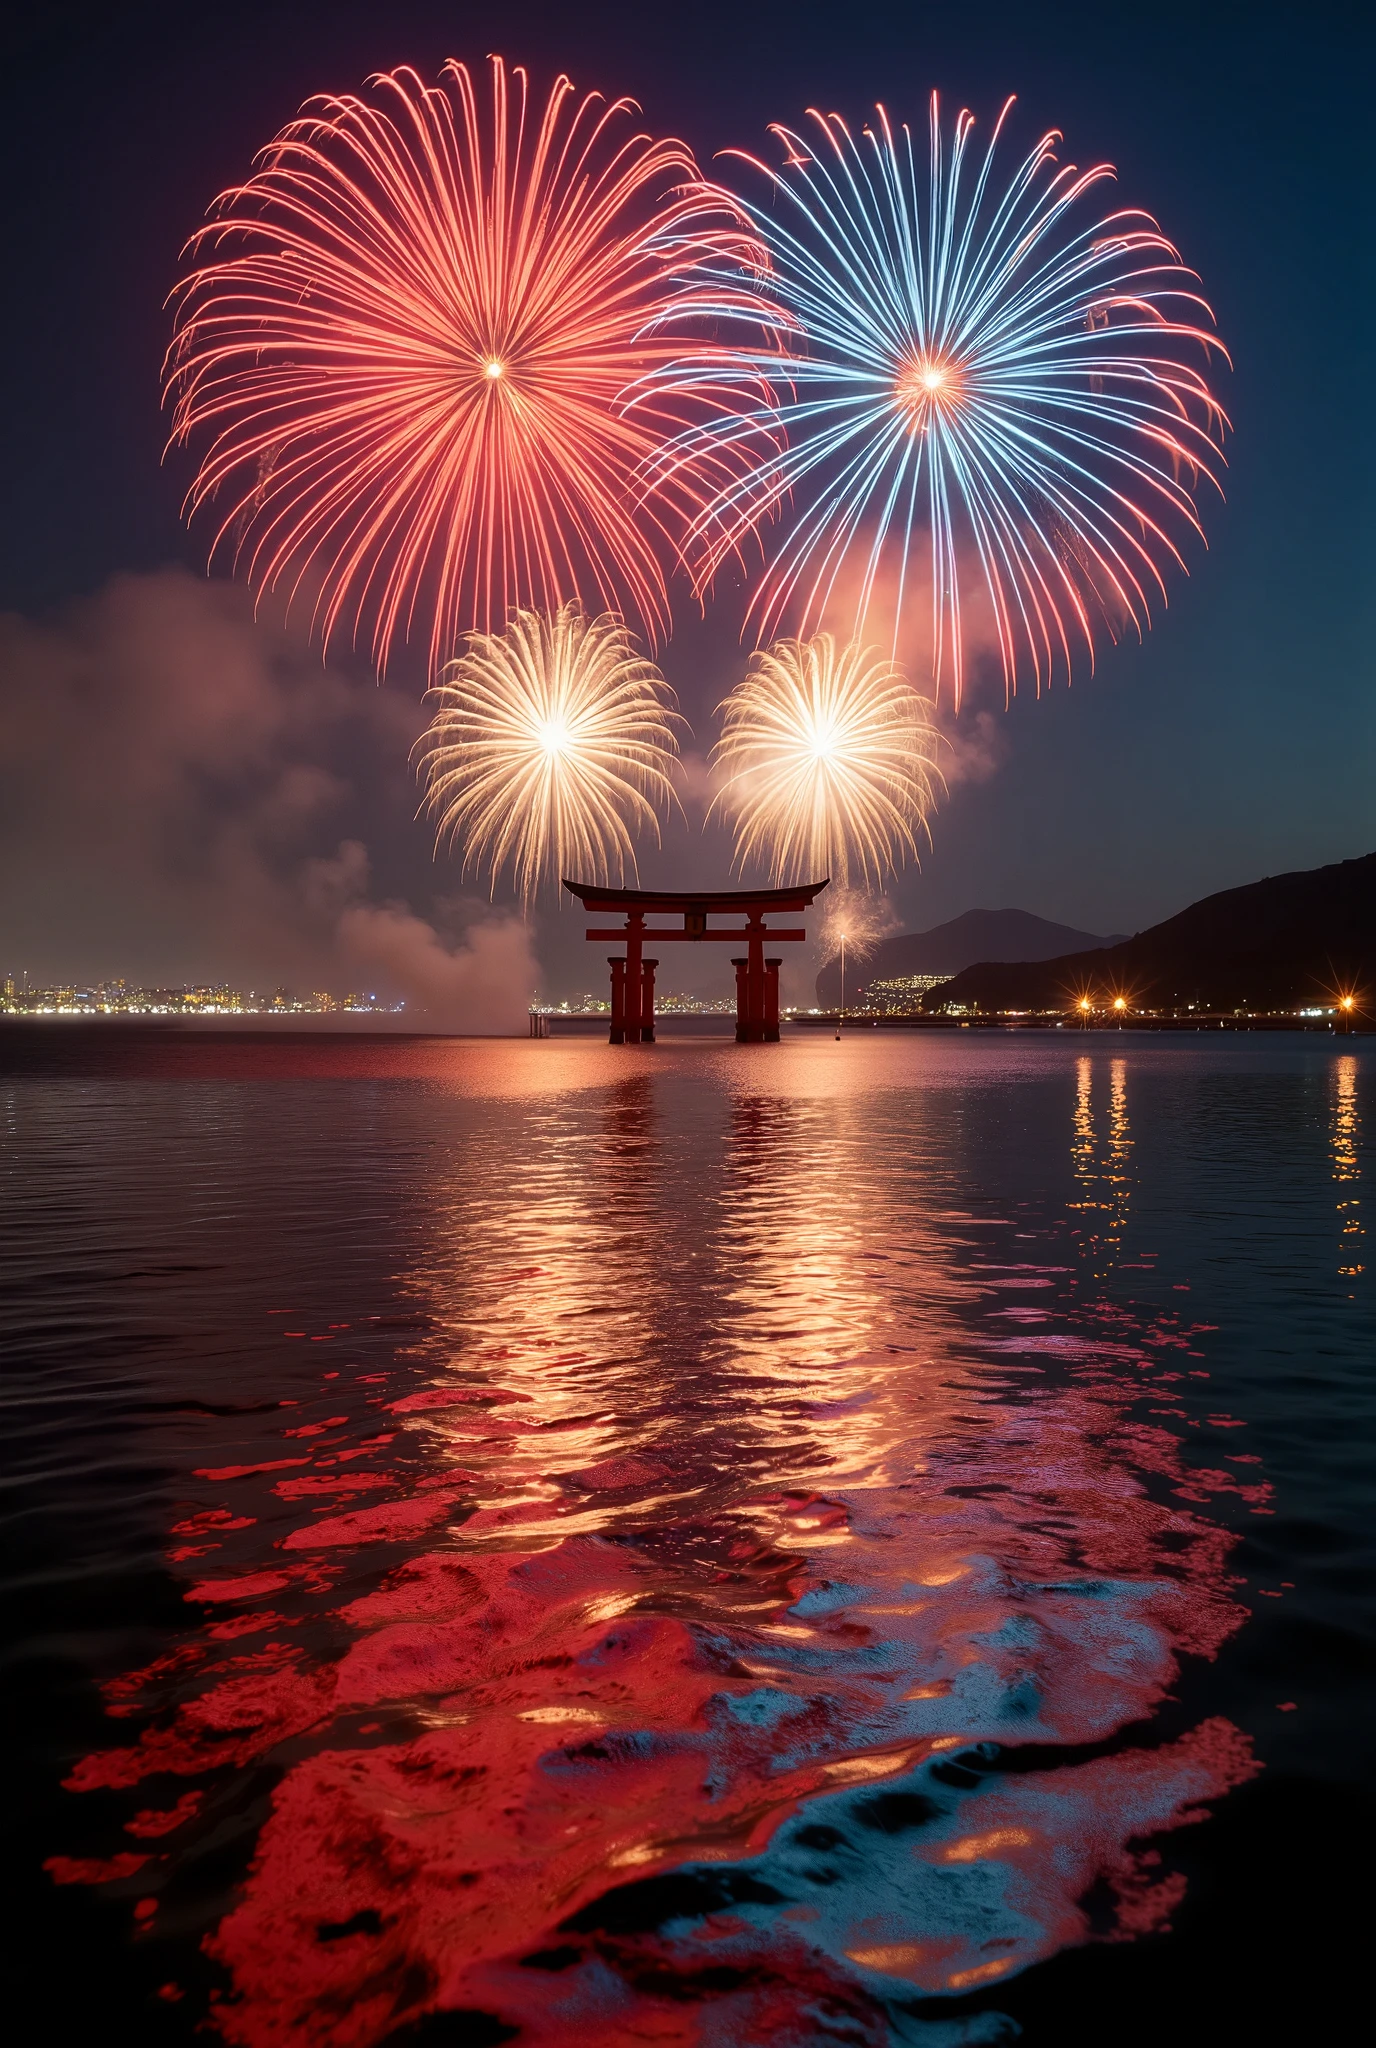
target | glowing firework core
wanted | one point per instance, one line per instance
(553, 743)
(929, 384)
(829, 760)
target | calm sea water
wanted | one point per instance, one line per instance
(697, 1544)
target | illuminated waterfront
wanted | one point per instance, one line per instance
(118, 998)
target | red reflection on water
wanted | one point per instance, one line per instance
(723, 1569)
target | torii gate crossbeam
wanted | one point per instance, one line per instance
(633, 975)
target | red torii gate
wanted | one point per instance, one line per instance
(633, 977)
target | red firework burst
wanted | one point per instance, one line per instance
(415, 338)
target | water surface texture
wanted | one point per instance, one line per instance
(701, 1544)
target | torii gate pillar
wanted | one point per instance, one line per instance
(757, 999)
(633, 976)
(628, 1015)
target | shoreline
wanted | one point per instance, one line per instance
(709, 1025)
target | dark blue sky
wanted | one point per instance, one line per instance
(1240, 740)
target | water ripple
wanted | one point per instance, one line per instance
(706, 1555)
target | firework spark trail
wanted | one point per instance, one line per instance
(948, 355)
(856, 919)
(407, 340)
(552, 742)
(829, 761)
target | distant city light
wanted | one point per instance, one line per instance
(116, 998)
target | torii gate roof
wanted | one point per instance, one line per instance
(594, 896)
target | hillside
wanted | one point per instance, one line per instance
(1287, 940)
(947, 948)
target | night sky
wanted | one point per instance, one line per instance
(176, 782)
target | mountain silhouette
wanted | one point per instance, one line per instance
(947, 948)
(1275, 944)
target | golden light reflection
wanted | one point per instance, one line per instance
(984, 1973)
(894, 1957)
(1104, 1176)
(840, 1292)
(1119, 1154)
(1345, 1142)
(975, 1848)
(702, 1316)
(536, 1282)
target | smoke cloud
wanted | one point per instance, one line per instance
(187, 795)
(976, 746)
(468, 988)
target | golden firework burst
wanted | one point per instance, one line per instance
(829, 762)
(552, 745)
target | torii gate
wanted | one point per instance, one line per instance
(633, 978)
